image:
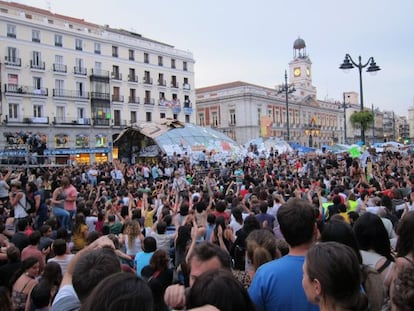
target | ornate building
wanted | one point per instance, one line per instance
(245, 111)
(79, 84)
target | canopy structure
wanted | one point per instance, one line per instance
(176, 137)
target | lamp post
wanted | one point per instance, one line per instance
(287, 89)
(344, 105)
(349, 63)
(373, 125)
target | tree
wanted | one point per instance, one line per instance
(362, 119)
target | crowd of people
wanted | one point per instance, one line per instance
(282, 232)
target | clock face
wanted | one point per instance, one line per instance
(308, 72)
(296, 72)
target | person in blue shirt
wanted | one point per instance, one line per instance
(142, 259)
(277, 285)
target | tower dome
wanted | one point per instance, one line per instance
(299, 44)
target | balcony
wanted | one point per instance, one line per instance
(100, 73)
(162, 82)
(70, 94)
(147, 80)
(102, 96)
(37, 65)
(119, 123)
(174, 84)
(82, 71)
(116, 75)
(149, 101)
(132, 78)
(11, 35)
(186, 86)
(27, 120)
(71, 121)
(60, 68)
(13, 61)
(15, 89)
(133, 100)
(117, 98)
(100, 122)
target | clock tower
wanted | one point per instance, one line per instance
(301, 70)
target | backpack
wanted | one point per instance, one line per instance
(373, 286)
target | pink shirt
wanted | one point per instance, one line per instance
(71, 195)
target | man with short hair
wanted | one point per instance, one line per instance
(204, 257)
(89, 266)
(277, 285)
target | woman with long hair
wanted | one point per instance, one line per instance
(80, 232)
(23, 282)
(375, 246)
(132, 238)
(332, 279)
(34, 195)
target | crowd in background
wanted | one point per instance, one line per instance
(243, 228)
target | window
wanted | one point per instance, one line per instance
(97, 48)
(172, 63)
(59, 87)
(232, 113)
(35, 35)
(162, 115)
(147, 77)
(12, 57)
(12, 82)
(160, 63)
(11, 31)
(60, 113)
(37, 111)
(185, 66)
(161, 80)
(36, 60)
(132, 95)
(162, 95)
(214, 119)
(148, 116)
(131, 54)
(117, 117)
(81, 113)
(146, 58)
(37, 83)
(79, 66)
(80, 89)
(115, 73)
(174, 81)
(131, 75)
(187, 102)
(186, 85)
(58, 40)
(114, 51)
(187, 118)
(201, 119)
(13, 111)
(78, 44)
(133, 117)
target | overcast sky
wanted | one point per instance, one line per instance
(252, 41)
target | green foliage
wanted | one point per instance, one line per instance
(362, 119)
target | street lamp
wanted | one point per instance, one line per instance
(287, 89)
(344, 105)
(349, 63)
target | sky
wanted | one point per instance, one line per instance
(252, 41)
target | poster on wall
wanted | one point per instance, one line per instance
(82, 141)
(61, 140)
(101, 140)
